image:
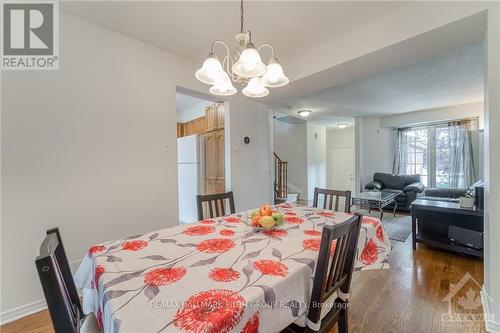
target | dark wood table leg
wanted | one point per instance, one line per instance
(414, 228)
(395, 207)
(381, 211)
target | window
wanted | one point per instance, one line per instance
(437, 153)
(417, 154)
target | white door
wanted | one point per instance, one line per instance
(342, 169)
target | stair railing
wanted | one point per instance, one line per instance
(280, 177)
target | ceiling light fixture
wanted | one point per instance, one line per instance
(248, 69)
(305, 113)
(342, 125)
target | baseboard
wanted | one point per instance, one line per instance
(489, 323)
(22, 311)
(31, 308)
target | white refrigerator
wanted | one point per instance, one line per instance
(191, 173)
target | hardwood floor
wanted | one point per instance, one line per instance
(406, 298)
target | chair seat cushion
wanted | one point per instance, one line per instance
(90, 325)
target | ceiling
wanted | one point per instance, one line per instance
(453, 78)
(184, 102)
(186, 28)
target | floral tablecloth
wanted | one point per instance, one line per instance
(216, 275)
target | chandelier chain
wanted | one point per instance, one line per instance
(241, 18)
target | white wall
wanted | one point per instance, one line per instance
(471, 110)
(83, 149)
(290, 144)
(492, 176)
(374, 150)
(250, 164)
(337, 139)
(316, 158)
(193, 112)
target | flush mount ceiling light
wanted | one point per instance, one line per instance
(342, 125)
(248, 68)
(305, 113)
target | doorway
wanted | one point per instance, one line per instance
(342, 171)
(200, 151)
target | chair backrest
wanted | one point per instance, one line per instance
(58, 284)
(215, 204)
(329, 196)
(334, 273)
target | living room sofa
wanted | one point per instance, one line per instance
(407, 187)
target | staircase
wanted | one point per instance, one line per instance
(281, 182)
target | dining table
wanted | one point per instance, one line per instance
(216, 275)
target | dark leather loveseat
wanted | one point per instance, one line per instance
(407, 186)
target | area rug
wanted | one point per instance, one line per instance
(397, 228)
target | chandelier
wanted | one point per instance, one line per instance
(244, 67)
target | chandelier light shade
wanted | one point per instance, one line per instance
(274, 76)
(249, 64)
(255, 88)
(211, 71)
(244, 67)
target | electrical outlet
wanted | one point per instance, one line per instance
(166, 147)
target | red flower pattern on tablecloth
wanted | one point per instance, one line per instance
(134, 245)
(271, 267)
(199, 230)
(96, 249)
(211, 261)
(293, 219)
(311, 244)
(215, 245)
(326, 214)
(99, 270)
(224, 274)
(211, 311)
(276, 233)
(252, 325)
(226, 232)
(314, 244)
(380, 233)
(99, 320)
(311, 232)
(164, 276)
(284, 205)
(369, 254)
(371, 220)
(232, 219)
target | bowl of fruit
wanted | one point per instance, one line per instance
(266, 219)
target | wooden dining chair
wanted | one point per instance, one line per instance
(329, 196)
(215, 204)
(59, 288)
(332, 278)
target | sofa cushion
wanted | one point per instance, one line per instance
(395, 181)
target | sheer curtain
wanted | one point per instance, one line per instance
(401, 155)
(462, 171)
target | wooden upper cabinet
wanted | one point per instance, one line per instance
(214, 117)
(211, 156)
(220, 115)
(210, 118)
(219, 139)
(179, 130)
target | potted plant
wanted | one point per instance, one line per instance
(467, 200)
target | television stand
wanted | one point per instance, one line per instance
(431, 219)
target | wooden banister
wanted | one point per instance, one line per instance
(280, 177)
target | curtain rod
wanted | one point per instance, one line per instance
(435, 123)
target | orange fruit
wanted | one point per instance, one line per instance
(265, 210)
(255, 220)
